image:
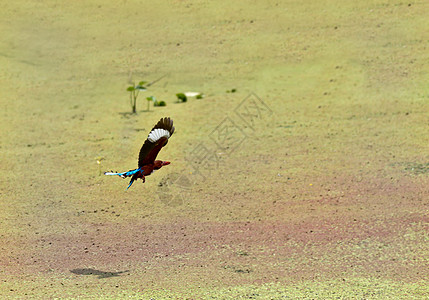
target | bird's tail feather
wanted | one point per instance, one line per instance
(124, 174)
(131, 182)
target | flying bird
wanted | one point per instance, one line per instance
(157, 138)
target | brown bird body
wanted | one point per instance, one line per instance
(157, 138)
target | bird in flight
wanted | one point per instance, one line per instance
(157, 138)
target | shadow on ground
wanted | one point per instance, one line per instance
(100, 274)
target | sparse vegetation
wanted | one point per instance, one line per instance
(417, 168)
(99, 159)
(155, 102)
(181, 97)
(134, 92)
(159, 103)
(149, 100)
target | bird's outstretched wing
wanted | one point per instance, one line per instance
(158, 138)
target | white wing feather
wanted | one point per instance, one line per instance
(158, 133)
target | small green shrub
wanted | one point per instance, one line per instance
(159, 103)
(181, 97)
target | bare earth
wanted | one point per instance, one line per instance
(310, 181)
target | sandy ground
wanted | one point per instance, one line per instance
(311, 180)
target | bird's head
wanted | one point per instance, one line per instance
(158, 164)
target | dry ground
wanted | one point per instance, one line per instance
(321, 193)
